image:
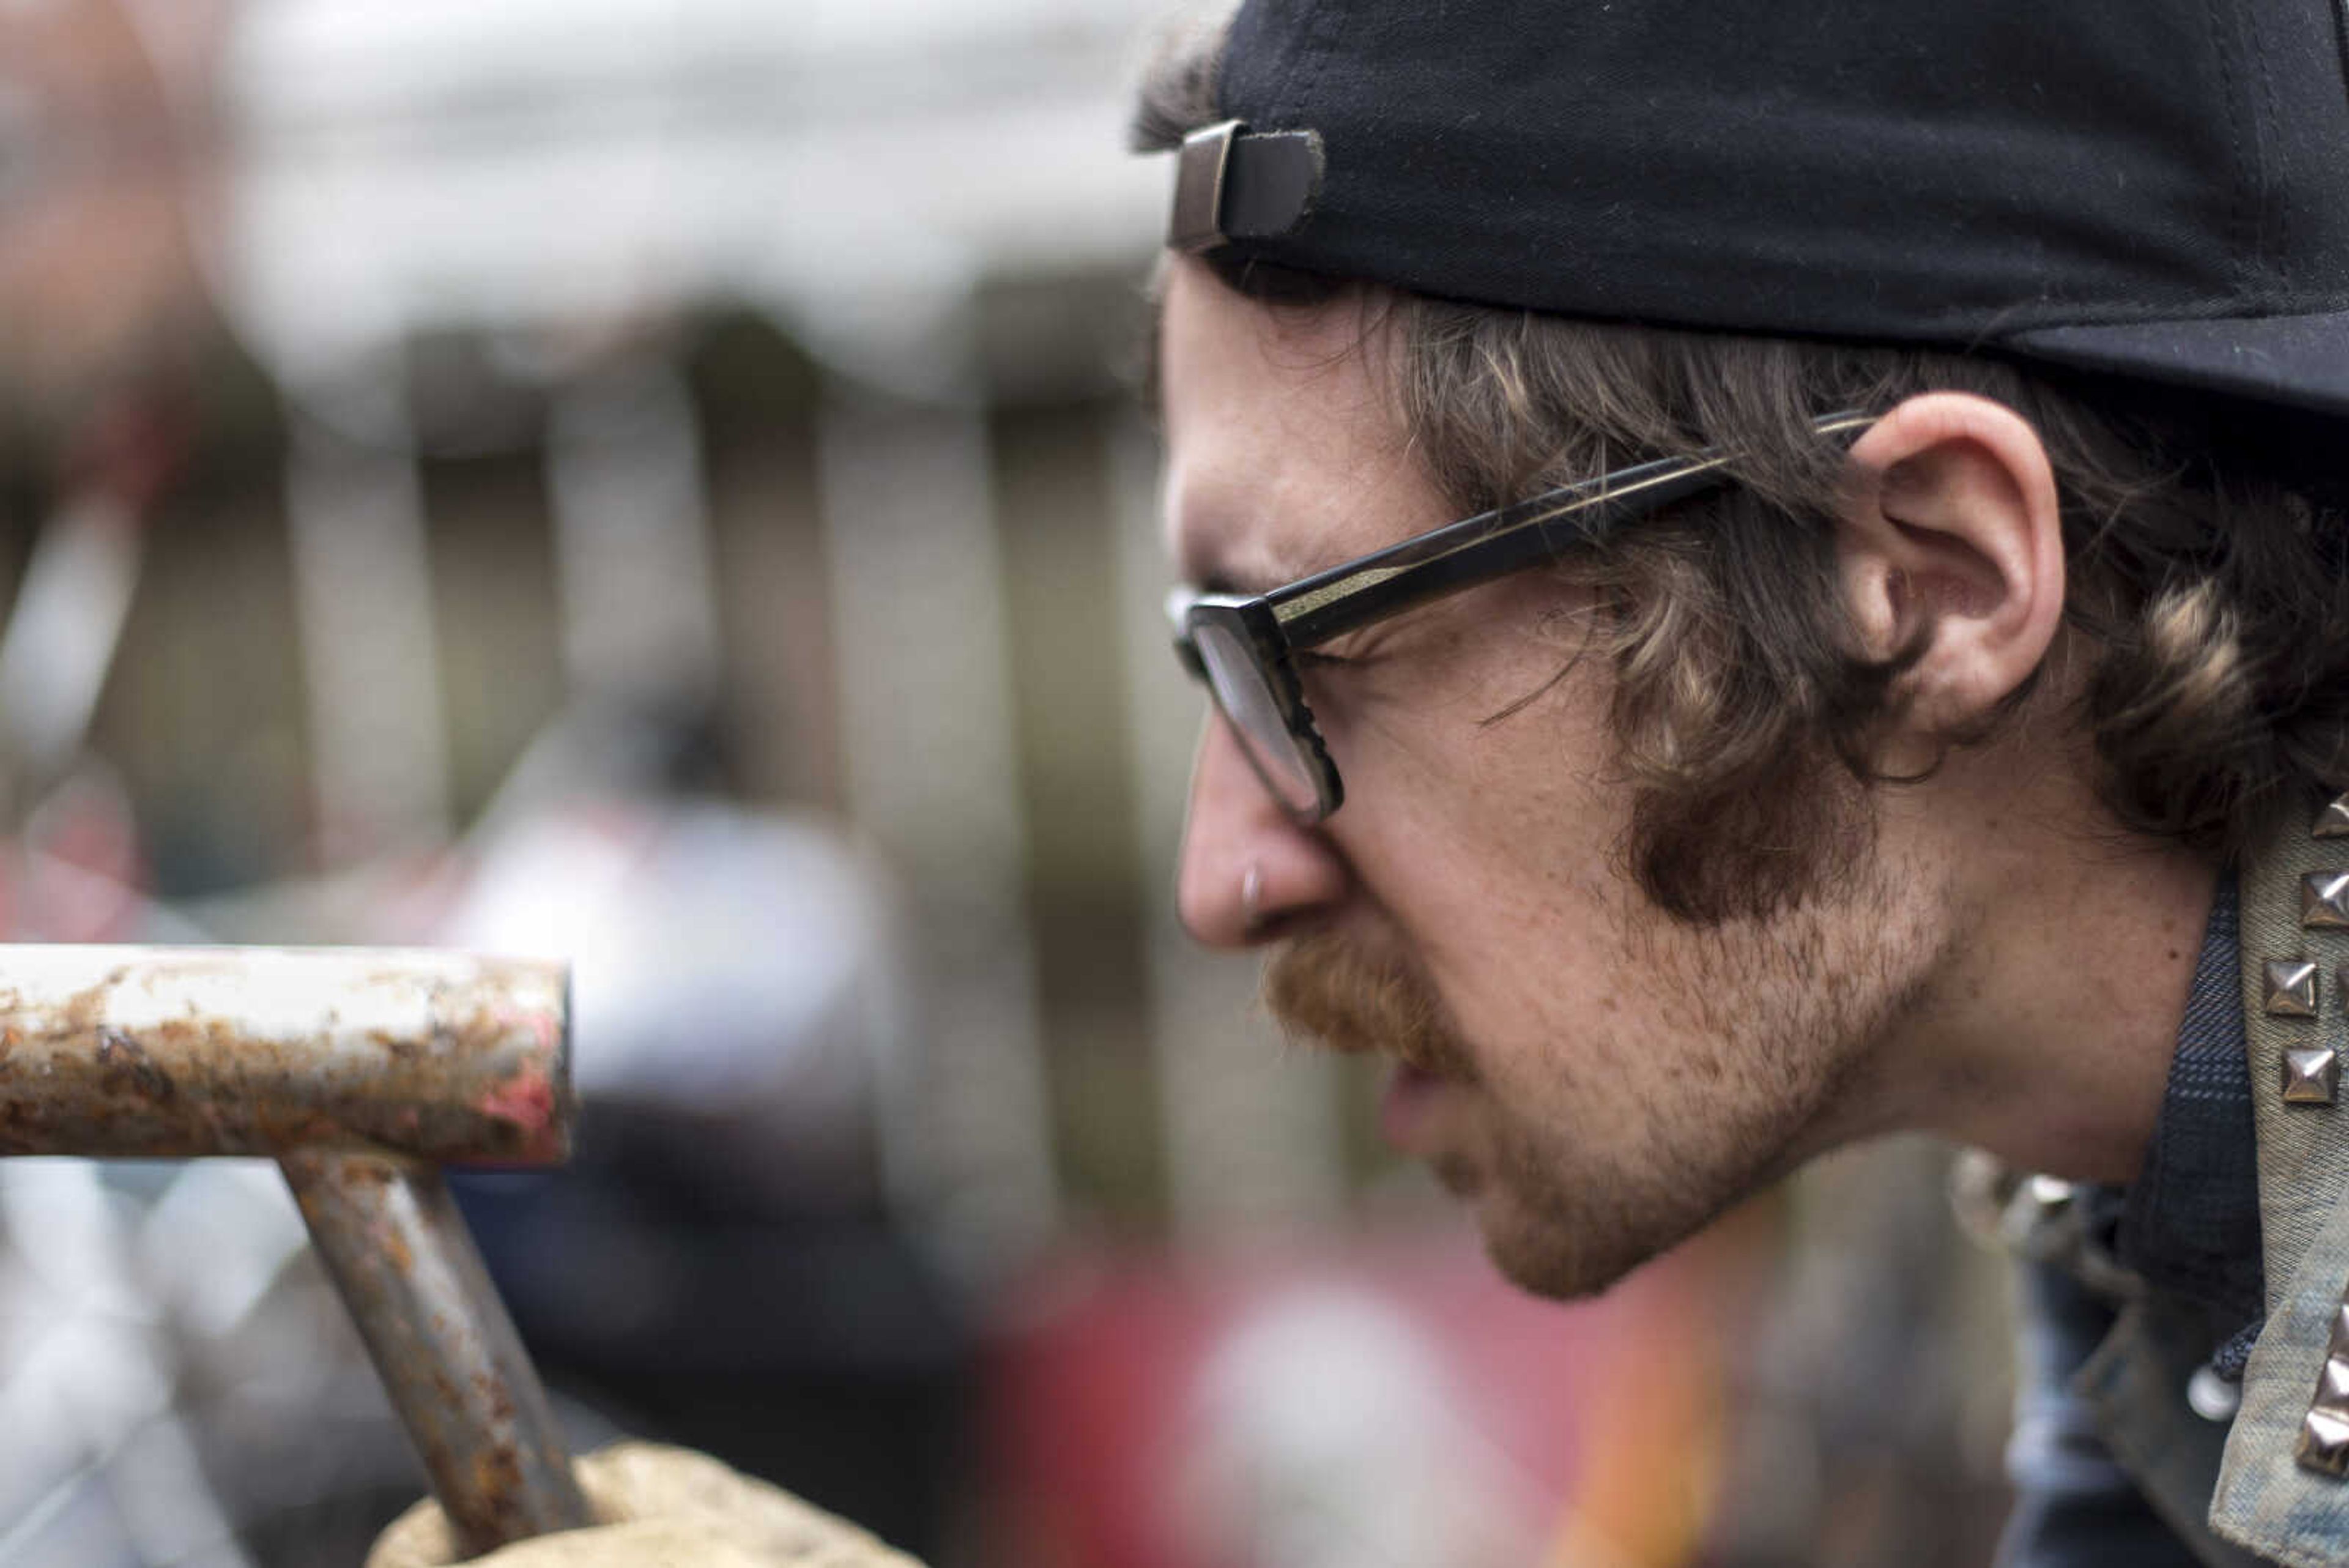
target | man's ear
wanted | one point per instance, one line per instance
(1951, 533)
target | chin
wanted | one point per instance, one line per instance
(1545, 1262)
(1549, 1246)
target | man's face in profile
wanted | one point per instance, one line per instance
(1595, 1080)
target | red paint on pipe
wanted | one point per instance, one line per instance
(527, 1101)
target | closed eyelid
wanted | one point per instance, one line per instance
(1377, 641)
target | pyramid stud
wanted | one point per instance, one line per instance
(2311, 1076)
(2324, 901)
(2290, 989)
(2333, 1387)
(2333, 822)
(2324, 1443)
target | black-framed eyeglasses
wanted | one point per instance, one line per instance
(1241, 647)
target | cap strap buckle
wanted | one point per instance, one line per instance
(1234, 184)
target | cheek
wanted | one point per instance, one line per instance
(1555, 1007)
(1509, 832)
(1558, 979)
(1528, 748)
(1490, 839)
(1504, 873)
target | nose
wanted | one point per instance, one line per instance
(1247, 869)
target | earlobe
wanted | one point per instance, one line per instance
(1951, 553)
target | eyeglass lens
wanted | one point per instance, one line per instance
(1247, 701)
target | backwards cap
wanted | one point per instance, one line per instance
(2154, 187)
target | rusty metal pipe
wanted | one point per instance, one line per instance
(361, 1070)
(457, 1372)
(176, 1052)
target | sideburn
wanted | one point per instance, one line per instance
(1753, 844)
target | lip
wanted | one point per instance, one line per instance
(1407, 1110)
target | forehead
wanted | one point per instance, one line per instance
(1285, 449)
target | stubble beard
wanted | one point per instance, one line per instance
(1608, 1150)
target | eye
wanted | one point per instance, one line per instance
(1316, 669)
(1313, 659)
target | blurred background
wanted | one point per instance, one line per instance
(656, 482)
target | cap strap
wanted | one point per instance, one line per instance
(1231, 183)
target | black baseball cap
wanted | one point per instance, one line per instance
(2156, 188)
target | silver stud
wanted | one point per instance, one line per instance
(2290, 989)
(2333, 822)
(2332, 1386)
(2324, 901)
(2311, 1075)
(2324, 1443)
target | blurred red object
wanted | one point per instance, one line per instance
(1391, 1401)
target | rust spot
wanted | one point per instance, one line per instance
(498, 1472)
(400, 1047)
(396, 1253)
(122, 1063)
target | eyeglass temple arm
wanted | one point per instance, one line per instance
(1468, 554)
(1497, 543)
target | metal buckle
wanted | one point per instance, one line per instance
(1196, 222)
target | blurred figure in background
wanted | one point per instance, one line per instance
(717, 1266)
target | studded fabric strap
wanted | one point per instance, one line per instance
(2284, 1488)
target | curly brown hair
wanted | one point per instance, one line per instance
(2207, 544)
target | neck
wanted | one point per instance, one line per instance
(2044, 1035)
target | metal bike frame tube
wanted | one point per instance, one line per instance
(448, 1355)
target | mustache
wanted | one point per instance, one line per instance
(1325, 989)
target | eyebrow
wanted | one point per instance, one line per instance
(1219, 579)
(1244, 584)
